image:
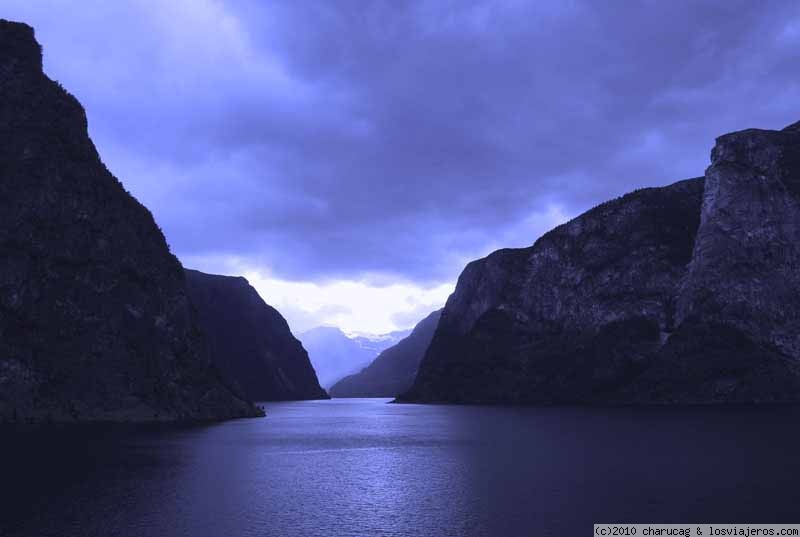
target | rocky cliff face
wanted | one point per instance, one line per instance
(744, 271)
(250, 342)
(95, 323)
(393, 371)
(681, 294)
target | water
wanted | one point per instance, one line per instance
(364, 468)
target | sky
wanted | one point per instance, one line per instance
(350, 157)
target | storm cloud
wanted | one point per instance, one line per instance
(392, 142)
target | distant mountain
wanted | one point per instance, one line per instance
(336, 354)
(250, 342)
(378, 342)
(393, 371)
(95, 322)
(685, 294)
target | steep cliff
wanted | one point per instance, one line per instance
(95, 323)
(681, 294)
(393, 371)
(738, 315)
(250, 342)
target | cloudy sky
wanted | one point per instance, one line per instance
(349, 157)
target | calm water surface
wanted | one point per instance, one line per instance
(361, 467)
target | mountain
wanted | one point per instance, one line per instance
(250, 342)
(95, 322)
(684, 294)
(336, 354)
(378, 342)
(393, 371)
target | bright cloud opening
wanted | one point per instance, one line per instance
(353, 306)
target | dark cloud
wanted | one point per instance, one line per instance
(321, 140)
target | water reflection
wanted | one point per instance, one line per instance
(363, 467)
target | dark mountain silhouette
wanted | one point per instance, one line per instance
(250, 342)
(393, 371)
(684, 294)
(336, 354)
(95, 323)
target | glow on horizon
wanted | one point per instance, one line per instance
(353, 306)
(359, 305)
(356, 306)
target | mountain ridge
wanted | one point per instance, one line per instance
(681, 294)
(250, 341)
(392, 372)
(95, 322)
(336, 355)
